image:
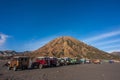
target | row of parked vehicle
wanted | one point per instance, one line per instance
(25, 62)
(89, 61)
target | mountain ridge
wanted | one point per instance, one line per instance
(7, 53)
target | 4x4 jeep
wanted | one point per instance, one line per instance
(41, 62)
(54, 62)
(67, 60)
(97, 61)
(18, 62)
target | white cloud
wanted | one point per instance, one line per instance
(102, 41)
(113, 50)
(110, 47)
(107, 42)
(3, 38)
(103, 36)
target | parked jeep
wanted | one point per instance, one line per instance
(54, 62)
(18, 62)
(96, 61)
(61, 61)
(41, 62)
(67, 60)
(87, 61)
(111, 61)
(73, 61)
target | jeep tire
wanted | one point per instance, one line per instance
(40, 66)
(15, 68)
(9, 68)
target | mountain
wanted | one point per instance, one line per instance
(116, 53)
(8, 53)
(69, 47)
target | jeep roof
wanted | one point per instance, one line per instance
(20, 57)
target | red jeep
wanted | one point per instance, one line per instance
(41, 62)
(53, 62)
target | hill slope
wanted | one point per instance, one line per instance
(116, 53)
(70, 47)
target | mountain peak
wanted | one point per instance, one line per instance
(67, 46)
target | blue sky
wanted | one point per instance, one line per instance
(29, 24)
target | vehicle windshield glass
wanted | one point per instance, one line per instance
(23, 59)
(15, 59)
(39, 58)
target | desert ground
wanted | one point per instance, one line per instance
(103, 71)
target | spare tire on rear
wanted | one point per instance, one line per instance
(15, 68)
(40, 66)
(9, 68)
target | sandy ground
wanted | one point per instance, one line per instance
(103, 71)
